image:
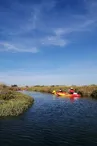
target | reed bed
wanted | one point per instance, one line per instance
(86, 90)
(14, 103)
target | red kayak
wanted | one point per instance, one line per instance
(64, 94)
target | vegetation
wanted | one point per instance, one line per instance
(13, 103)
(85, 91)
(94, 94)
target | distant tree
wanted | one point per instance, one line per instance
(26, 86)
(94, 94)
(37, 86)
(52, 85)
(4, 86)
(93, 85)
(14, 85)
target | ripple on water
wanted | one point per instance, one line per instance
(52, 121)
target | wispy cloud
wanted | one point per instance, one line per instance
(32, 21)
(9, 47)
(43, 25)
(54, 40)
(60, 34)
(77, 28)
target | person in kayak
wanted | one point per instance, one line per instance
(60, 90)
(71, 90)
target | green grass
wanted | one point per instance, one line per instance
(14, 103)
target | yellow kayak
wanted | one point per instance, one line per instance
(64, 94)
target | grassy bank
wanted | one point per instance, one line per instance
(85, 90)
(14, 103)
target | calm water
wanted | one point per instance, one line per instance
(52, 121)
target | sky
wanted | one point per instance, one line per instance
(48, 42)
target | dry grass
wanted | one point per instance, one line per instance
(14, 103)
(86, 90)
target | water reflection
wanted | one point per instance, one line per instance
(72, 99)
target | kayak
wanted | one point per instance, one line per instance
(64, 94)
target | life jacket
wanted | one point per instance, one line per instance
(71, 91)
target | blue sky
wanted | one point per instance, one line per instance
(48, 42)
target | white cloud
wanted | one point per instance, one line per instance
(54, 40)
(60, 34)
(34, 18)
(62, 31)
(84, 26)
(31, 23)
(59, 37)
(80, 23)
(12, 48)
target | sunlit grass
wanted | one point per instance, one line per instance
(14, 104)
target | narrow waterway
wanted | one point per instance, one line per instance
(52, 121)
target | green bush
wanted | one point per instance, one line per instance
(81, 93)
(94, 94)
